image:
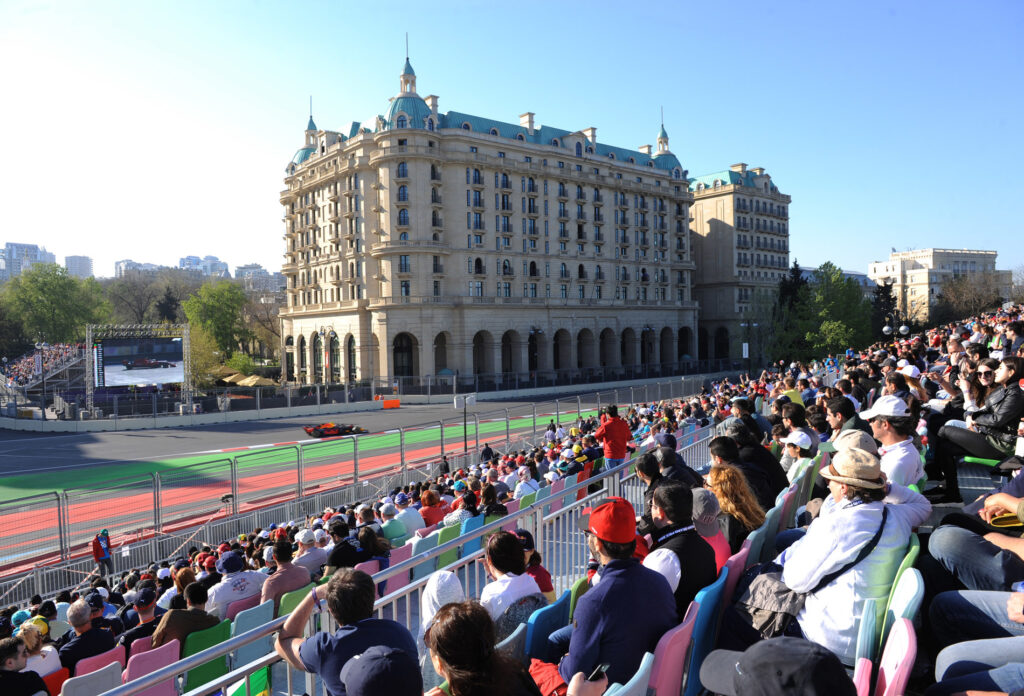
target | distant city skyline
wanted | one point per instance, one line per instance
(173, 133)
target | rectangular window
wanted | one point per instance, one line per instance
(437, 288)
(563, 291)
(403, 264)
(472, 148)
(404, 288)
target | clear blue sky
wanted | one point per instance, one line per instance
(153, 131)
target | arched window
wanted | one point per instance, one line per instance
(466, 126)
(404, 236)
(579, 192)
(554, 141)
(533, 269)
(401, 122)
(506, 267)
(590, 150)
(676, 173)
(403, 216)
(611, 155)
(403, 193)
(579, 149)
(520, 137)
(632, 161)
(478, 266)
(402, 171)
(494, 131)
(430, 124)
(650, 164)
(563, 271)
(581, 271)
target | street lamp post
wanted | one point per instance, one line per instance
(746, 346)
(41, 346)
(891, 320)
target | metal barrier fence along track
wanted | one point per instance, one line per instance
(151, 514)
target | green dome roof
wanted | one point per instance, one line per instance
(413, 106)
(302, 155)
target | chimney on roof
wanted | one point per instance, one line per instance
(645, 149)
(758, 170)
(526, 121)
(590, 134)
(431, 101)
(740, 168)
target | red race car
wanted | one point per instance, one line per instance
(145, 363)
(333, 430)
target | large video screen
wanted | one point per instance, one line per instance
(119, 362)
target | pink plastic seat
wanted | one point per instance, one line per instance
(426, 531)
(736, 564)
(397, 582)
(670, 656)
(140, 645)
(862, 677)
(897, 659)
(91, 664)
(241, 605)
(149, 662)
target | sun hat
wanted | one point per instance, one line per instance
(855, 439)
(855, 467)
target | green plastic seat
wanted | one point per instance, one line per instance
(527, 500)
(290, 600)
(576, 591)
(445, 535)
(199, 641)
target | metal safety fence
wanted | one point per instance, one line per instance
(552, 520)
(45, 547)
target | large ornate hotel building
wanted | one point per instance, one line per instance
(427, 243)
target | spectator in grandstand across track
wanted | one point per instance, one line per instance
(533, 562)
(179, 623)
(42, 657)
(236, 583)
(392, 529)
(741, 513)
(13, 680)
(286, 578)
(615, 435)
(409, 516)
(674, 530)
(83, 640)
(504, 597)
(486, 454)
(461, 641)
(309, 555)
(622, 616)
(349, 597)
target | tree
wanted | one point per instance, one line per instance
(217, 308)
(241, 362)
(131, 297)
(260, 316)
(53, 304)
(883, 303)
(790, 318)
(842, 315)
(204, 356)
(168, 307)
(13, 341)
(968, 295)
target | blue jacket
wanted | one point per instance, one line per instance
(618, 620)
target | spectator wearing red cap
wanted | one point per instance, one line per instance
(623, 615)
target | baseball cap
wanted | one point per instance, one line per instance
(705, 512)
(320, 535)
(798, 438)
(163, 573)
(230, 562)
(401, 499)
(523, 471)
(224, 547)
(911, 371)
(388, 509)
(382, 670)
(306, 536)
(268, 554)
(526, 539)
(778, 666)
(210, 563)
(888, 405)
(145, 597)
(41, 624)
(665, 562)
(610, 519)
(93, 599)
(459, 486)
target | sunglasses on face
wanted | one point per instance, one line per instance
(985, 373)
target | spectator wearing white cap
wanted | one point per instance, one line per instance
(309, 556)
(798, 447)
(892, 424)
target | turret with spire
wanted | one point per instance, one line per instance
(311, 127)
(663, 139)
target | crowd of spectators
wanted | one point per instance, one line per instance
(20, 371)
(887, 414)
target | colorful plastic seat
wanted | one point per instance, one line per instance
(240, 605)
(247, 620)
(705, 630)
(445, 535)
(397, 582)
(670, 656)
(897, 660)
(637, 685)
(91, 664)
(98, 682)
(290, 600)
(542, 623)
(201, 640)
(150, 661)
(426, 566)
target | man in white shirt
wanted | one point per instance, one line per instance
(408, 515)
(309, 556)
(893, 425)
(236, 583)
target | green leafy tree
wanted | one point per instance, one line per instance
(51, 303)
(13, 341)
(241, 362)
(791, 318)
(167, 309)
(842, 315)
(217, 308)
(883, 303)
(204, 356)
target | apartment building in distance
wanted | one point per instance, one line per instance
(18, 258)
(78, 266)
(428, 243)
(917, 275)
(740, 245)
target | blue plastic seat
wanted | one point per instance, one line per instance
(705, 630)
(473, 523)
(246, 620)
(637, 685)
(542, 623)
(426, 567)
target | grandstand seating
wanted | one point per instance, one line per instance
(736, 564)
(897, 660)
(197, 642)
(452, 555)
(473, 523)
(542, 623)
(150, 661)
(247, 620)
(290, 600)
(98, 682)
(242, 604)
(140, 645)
(637, 686)
(705, 629)
(397, 582)
(429, 565)
(55, 681)
(515, 645)
(96, 662)
(670, 656)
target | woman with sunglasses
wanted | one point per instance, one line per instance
(991, 431)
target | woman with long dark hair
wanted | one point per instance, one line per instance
(462, 647)
(991, 431)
